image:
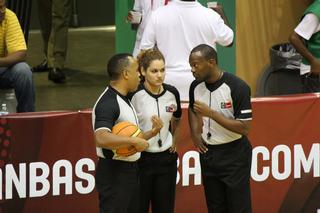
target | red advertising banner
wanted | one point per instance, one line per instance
(286, 156)
(47, 160)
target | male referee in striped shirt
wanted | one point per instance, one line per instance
(220, 118)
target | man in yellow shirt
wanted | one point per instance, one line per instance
(14, 72)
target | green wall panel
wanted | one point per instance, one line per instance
(125, 37)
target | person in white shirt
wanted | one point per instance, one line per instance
(306, 39)
(158, 163)
(145, 7)
(177, 28)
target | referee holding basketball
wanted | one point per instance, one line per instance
(117, 176)
(220, 118)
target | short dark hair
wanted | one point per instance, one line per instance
(207, 52)
(117, 64)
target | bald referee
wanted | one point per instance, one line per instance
(117, 176)
(220, 118)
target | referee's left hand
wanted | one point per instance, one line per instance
(157, 124)
(202, 109)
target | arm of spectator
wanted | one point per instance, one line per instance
(138, 5)
(220, 11)
(148, 40)
(15, 44)
(13, 58)
(222, 29)
(298, 43)
(306, 28)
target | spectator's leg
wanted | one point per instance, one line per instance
(45, 18)
(19, 77)
(61, 12)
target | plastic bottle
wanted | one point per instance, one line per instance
(4, 109)
(8, 102)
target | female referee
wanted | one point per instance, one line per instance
(158, 163)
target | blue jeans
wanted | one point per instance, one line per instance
(19, 77)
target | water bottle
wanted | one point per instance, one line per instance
(8, 102)
(4, 109)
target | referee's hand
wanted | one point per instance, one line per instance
(157, 124)
(140, 144)
(202, 109)
(199, 144)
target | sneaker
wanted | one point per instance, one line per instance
(56, 75)
(42, 67)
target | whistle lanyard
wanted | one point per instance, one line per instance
(209, 133)
(159, 140)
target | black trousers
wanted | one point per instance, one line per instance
(310, 83)
(118, 186)
(158, 173)
(226, 177)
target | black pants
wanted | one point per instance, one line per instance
(118, 186)
(226, 177)
(310, 83)
(158, 173)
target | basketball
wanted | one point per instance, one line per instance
(128, 129)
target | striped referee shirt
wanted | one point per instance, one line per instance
(165, 105)
(230, 96)
(110, 109)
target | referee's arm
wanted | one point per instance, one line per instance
(241, 127)
(195, 123)
(105, 139)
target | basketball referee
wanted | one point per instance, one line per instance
(158, 163)
(117, 176)
(219, 117)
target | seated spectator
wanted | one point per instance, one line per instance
(14, 72)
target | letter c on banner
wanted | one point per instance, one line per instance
(254, 164)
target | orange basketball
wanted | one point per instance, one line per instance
(128, 129)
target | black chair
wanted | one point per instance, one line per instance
(22, 9)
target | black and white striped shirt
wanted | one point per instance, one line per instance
(165, 105)
(110, 109)
(229, 96)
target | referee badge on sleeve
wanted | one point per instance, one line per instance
(171, 108)
(226, 105)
